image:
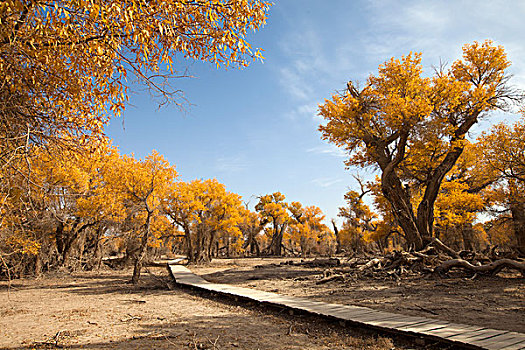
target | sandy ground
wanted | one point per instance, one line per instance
(103, 311)
(494, 302)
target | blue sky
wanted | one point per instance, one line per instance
(255, 129)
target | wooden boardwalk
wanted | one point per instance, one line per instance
(475, 337)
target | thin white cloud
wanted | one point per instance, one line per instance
(326, 181)
(304, 112)
(328, 150)
(439, 29)
(294, 84)
(230, 164)
(307, 62)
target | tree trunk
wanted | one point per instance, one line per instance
(97, 253)
(517, 210)
(425, 210)
(337, 238)
(69, 238)
(251, 242)
(254, 246)
(277, 240)
(304, 247)
(399, 199)
(493, 267)
(189, 244)
(38, 264)
(467, 233)
(60, 238)
(142, 251)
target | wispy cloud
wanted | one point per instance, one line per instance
(439, 29)
(329, 150)
(294, 84)
(231, 164)
(326, 181)
(304, 111)
(304, 48)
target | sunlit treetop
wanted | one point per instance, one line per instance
(402, 110)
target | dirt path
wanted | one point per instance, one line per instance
(493, 302)
(103, 311)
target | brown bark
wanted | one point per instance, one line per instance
(338, 248)
(425, 210)
(402, 209)
(142, 250)
(277, 240)
(436, 243)
(66, 239)
(493, 267)
(372, 263)
(468, 236)
(251, 242)
(518, 224)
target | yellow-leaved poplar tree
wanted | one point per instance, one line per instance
(208, 214)
(273, 210)
(414, 128)
(143, 185)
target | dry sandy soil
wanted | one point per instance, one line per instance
(103, 311)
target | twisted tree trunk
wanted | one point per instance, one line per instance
(142, 250)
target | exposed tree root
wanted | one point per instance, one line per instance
(491, 268)
(372, 263)
(443, 248)
(430, 260)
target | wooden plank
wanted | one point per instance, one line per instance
(423, 327)
(453, 329)
(374, 316)
(334, 308)
(349, 312)
(484, 334)
(277, 299)
(467, 335)
(518, 346)
(401, 322)
(501, 341)
(316, 307)
(345, 314)
(386, 322)
(349, 307)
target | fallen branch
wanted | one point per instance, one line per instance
(493, 267)
(331, 278)
(436, 243)
(371, 263)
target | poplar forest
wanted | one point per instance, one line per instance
(442, 209)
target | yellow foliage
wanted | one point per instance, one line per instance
(66, 65)
(207, 213)
(414, 128)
